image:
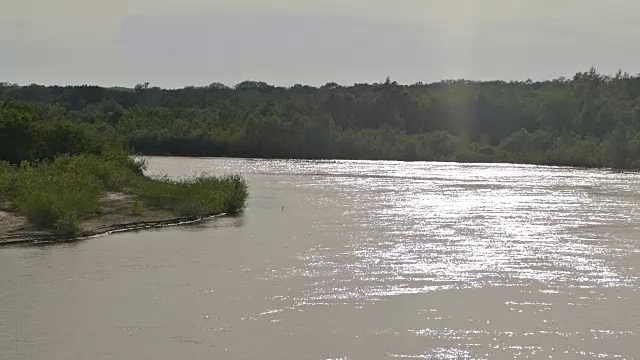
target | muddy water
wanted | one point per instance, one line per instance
(349, 260)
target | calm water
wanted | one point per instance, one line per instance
(367, 260)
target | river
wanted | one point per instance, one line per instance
(349, 260)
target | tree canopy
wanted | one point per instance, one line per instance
(589, 120)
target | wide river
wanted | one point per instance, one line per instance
(349, 260)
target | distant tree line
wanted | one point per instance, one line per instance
(34, 132)
(589, 120)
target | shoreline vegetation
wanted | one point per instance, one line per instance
(591, 120)
(65, 152)
(60, 180)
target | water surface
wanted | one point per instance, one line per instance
(349, 260)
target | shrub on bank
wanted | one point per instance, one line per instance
(58, 195)
(202, 195)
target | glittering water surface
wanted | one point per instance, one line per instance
(349, 260)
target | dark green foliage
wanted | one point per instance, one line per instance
(52, 171)
(589, 120)
(56, 195)
(35, 132)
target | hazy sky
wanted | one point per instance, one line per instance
(177, 43)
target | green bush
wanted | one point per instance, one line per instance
(29, 133)
(199, 196)
(112, 170)
(56, 195)
(236, 193)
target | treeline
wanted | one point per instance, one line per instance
(589, 120)
(30, 133)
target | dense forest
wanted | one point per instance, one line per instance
(590, 120)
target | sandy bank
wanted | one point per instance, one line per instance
(115, 216)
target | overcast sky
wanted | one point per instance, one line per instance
(173, 43)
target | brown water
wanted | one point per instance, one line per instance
(367, 260)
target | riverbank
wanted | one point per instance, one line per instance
(86, 195)
(63, 179)
(114, 217)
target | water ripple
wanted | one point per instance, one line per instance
(466, 226)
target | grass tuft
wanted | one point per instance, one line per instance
(199, 196)
(56, 195)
